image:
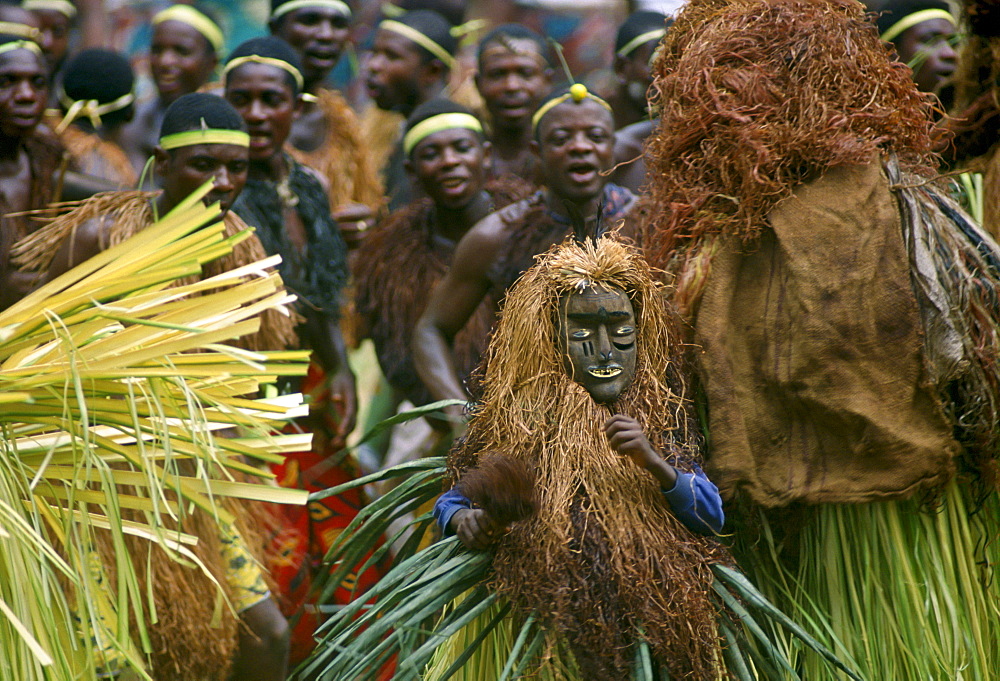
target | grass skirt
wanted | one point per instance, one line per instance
(895, 590)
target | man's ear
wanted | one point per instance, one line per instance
(161, 161)
(433, 72)
(488, 157)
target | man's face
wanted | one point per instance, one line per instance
(633, 73)
(185, 169)
(394, 68)
(318, 34)
(266, 101)
(513, 80)
(597, 337)
(180, 59)
(54, 27)
(576, 146)
(24, 89)
(451, 166)
(927, 48)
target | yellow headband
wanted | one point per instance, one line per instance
(341, 8)
(20, 30)
(90, 108)
(186, 14)
(446, 121)
(911, 20)
(270, 61)
(641, 39)
(577, 92)
(21, 45)
(189, 138)
(420, 39)
(64, 7)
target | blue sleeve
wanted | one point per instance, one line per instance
(446, 506)
(696, 502)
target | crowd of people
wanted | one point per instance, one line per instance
(816, 186)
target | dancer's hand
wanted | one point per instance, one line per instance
(626, 437)
(475, 529)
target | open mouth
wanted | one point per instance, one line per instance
(581, 173)
(608, 371)
(452, 182)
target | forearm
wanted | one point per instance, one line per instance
(435, 363)
(327, 342)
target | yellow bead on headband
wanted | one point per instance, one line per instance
(911, 20)
(90, 108)
(445, 121)
(64, 7)
(20, 30)
(577, 92)
(188, 15)
(189, 138)
(29, 45)
(341, 8)
(420, 39)
(636, 42)
(270, 61)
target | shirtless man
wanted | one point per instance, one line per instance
(514, 76)
(574, 139)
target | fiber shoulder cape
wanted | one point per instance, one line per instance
(126, 214)
(397, 264)
(343, 157)
(91, 155)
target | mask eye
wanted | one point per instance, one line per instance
(580, 334)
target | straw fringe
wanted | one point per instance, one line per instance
(127, 213)
(343, 157)
(604, 557)
(95, 156)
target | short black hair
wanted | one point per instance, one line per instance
(101, 75)
(452, 10)
(432, 25)
(638, 23)
(192, 111)
(274, 48)
(435, 107)
(500, 34)
(895, 10)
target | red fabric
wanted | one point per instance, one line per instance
(303, 534)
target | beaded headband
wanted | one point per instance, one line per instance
(64, 7)
(444, 121)
(186, 14)
(420, 39)
(270, 61)
(631, 46)
(29, 45)
(911, 20)
(577, 92)
(342, 8)
(20, 30)
(189, 138)
(91, 108)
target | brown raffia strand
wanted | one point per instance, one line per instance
(92, 155)
(381, 130)
(975, 119)
(128, 213)
(503, 486)
(604, 557)
(343, 158)
(395, 267)
(760, 96)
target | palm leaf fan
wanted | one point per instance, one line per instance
(110, 377)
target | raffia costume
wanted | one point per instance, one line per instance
(602, 581)
(847, 319)
(185, 647)
(343, 158)
(398, 263)
(90, 154)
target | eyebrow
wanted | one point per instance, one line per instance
(602, 316)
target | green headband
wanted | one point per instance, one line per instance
(911, 20)
(641, 39)
(90, 108)
(577, 92)
(420, 39)
(270, 61)
(186, 14)
(342, 8)
(189, 138)
(29, 45)
(445, 121)
(67, 9)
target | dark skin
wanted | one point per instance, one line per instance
(269, 103)
(575, 146)
(182, 170)
(181, 61)
(513, 79)
(24, 90)
(596, 330)
(630, 167)
(928, 48)
(319, 35)
(629, 99)
(400, 78)
(55, 29)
